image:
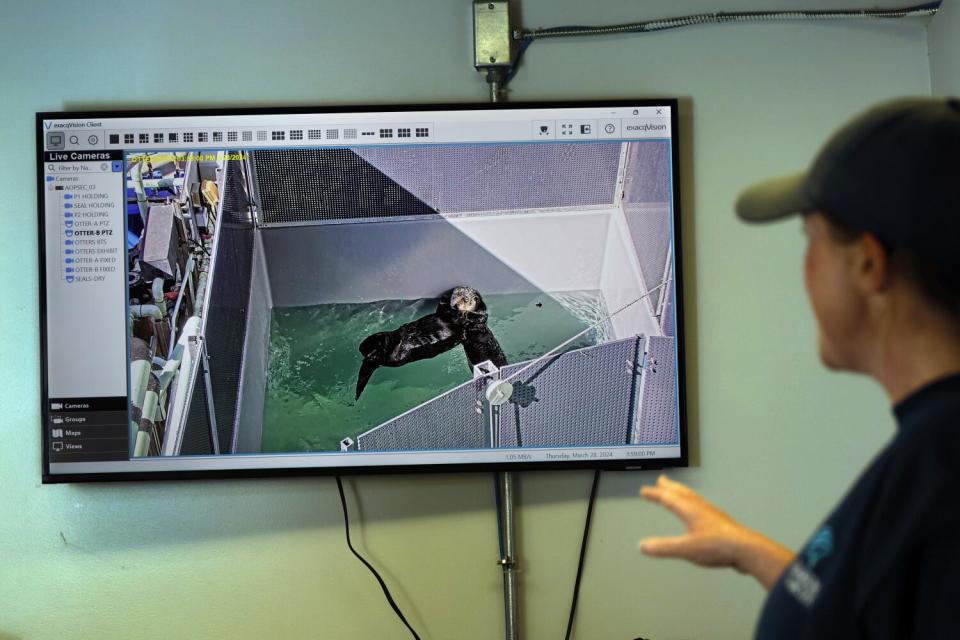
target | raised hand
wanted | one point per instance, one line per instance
(713, 538)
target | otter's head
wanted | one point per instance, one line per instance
(465, 299)
(465, 304)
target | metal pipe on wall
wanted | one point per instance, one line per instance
(508, 561)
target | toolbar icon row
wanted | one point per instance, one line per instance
(575, 129)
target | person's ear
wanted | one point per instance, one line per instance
(872, 264)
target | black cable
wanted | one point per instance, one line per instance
(647, 26)
(199, 245)
(521, 49)
(525, 37)
(383, 585)
(583, 553)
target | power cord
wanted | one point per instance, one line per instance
(583, 553)
(525, 37)
(383, 585)
(720, 17)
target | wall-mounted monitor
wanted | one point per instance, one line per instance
(360, 289)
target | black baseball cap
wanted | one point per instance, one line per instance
(893, 171)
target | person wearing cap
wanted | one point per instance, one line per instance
(881, 212)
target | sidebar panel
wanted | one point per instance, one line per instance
(86, 312)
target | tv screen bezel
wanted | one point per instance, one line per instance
(611, 465)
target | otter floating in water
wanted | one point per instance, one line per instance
(479, 343)
(460, 318)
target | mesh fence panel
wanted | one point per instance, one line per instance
(583, 397)
(449, 421)
(457, 178)
(236, 202)
(327, 184)
(226, 324)
(580, 398)
(646, 204)
(304, 185)
(196, 429)
(228, 292)
(658, 408)
(647, 177)
(229, 297)
(668, 319)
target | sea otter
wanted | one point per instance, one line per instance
(460, 318)
(479, 343)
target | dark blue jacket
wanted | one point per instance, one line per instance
(886, 563)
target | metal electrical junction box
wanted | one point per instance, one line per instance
(162, 239)
(492, 39)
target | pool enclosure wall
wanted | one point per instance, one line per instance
(368, 224)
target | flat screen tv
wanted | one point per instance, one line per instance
(240, 292)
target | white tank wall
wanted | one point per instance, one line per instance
(516, 253)
(256, 349)
(561, 251)
(358, 262)
(622, 283)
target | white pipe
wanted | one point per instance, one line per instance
(185, 282)
(157, 290)
(182, 371)
(190, 329)
(139, 376)
(136, 174)
(145, 311)
(151, 402)
(142, 446)
(178, 407)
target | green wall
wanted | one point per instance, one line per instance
(944, 44)
(776, 439)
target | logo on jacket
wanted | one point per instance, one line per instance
(820, 546)
(800, 580)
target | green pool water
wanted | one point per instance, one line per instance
(312, 371)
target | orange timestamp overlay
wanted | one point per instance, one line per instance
(164, 156)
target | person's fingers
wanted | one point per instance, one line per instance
(666, 484)
(676, 504)
(651, 493)
(703, 551)
(647, 491)
(673, 485)
(666, 547)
